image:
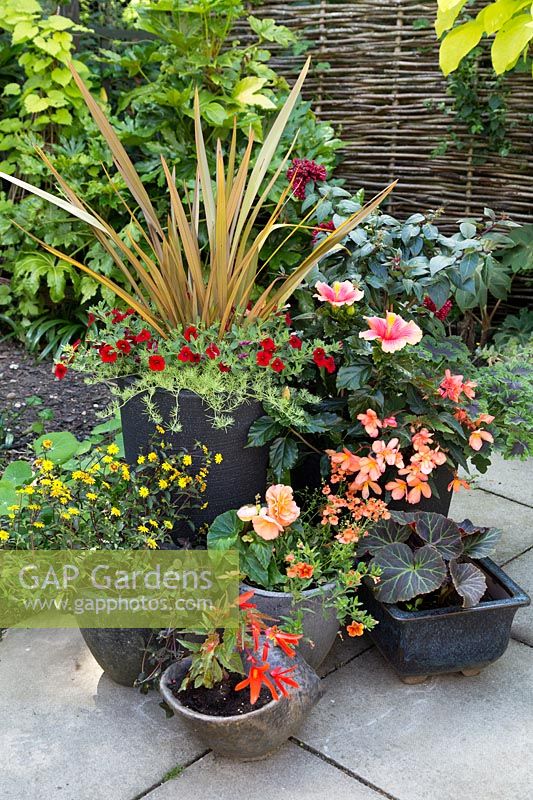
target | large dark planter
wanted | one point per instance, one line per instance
(259, 733)
(442, 477)
(455, 639)
(320, 624)
(242, 474)
(119, 651)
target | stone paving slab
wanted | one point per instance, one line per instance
(512, 479)
(291, 774)
(343, 651)
(451, 737)
(487, 509)
(69, 733)
(521, 571)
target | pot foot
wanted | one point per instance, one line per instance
(413, 680)
(470, 673)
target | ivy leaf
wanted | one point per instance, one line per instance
(224, 532)
(24, 30)
(61, 75)
(469, 582)
(263, 430)
(458, 43)
(283, 456)
(406, 573)
(58, 23)
(247, 92)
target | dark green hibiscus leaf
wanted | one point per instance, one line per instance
(354, 376)
(321, 423)
(405, 573)
(262, 431)
(384, 533)
(283, 456)
(440, 532)
(478, 542)
(469, 582)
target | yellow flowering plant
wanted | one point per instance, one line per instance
(99, 501)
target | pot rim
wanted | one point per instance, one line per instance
(171, 698)
(518, 598)
(323, 589)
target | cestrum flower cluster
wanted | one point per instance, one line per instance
(279, 513)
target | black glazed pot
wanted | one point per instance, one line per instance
(257, 734)
(119, 651)
(442, 477)
(454, 639)
(242, 474)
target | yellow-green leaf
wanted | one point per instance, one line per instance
(61, 75)
(58, 23)
(24, 31)
(445, 19)
(33, 103)
(510, 41)
(495, 15)
(446, 5)
(11, 89)
(458, 43)
(247, 91)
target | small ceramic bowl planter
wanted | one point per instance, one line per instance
(319, 620)
(255, 734)
(418, 644)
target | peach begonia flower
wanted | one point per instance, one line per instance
(468, 389)
(390, 453)
(364, 485)
(477, 438)
(370, 422)
(487, 418)
(398, 489)
(370, 467)
(281, 505)
(390, 422)
(340, 293)
(421, 439)
(393, 332)
(457, 483)
(426, 460)
(266, 526)
(451, 386)
(247, 513)
(346, 461)
(418, 486)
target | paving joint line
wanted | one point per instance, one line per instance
(162, 782)
(345, 663)
(521, 641)
(341, 768)
(503, 497)
(519, 555)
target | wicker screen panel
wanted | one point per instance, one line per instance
(382, 93)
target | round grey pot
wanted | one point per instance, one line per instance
(320, 624)
(119, 651)
(257, 734)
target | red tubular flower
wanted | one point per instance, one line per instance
(295, 342)
(263, 358)
(243, 599)
(212, 351)
(280, 677)
(143, 336)
(278, 365)
(255, 680)
(107, 353)
(269, 345)
(190, 333)
(285, 641)
(60, 371)
(124, 346)
(156, 363)
(224, 367)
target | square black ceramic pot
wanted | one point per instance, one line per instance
(454, 639)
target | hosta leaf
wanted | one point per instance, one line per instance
(479, 542)
(440, 532)
(469, 582)
(407, 573)
(384, 533)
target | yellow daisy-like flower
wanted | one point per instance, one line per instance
(47, 444)
(107, 459)
(143, 529)
(113, 449)
(14, 507)
(143, 491)
(166, 467)
(163, 484)
(151, 543)
(78, 475)
(152, 457)
(91, 496)
(34, 506)
(4, 536)
(11, 516)
(47, 465)
(153, 523)
(38, 524)
(26, 490)
(182, 483)
(167, 523)
(126, 475)
(159, 429)
(74, 512)
(115, 512)
(187, 460)
(94, 468)
(219, 458)
(141, 459)
(114, 467)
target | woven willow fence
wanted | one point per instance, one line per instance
(382, 93)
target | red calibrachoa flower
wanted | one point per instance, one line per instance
(322, 360)
(212, 351)
(224, 367)
(355, 629)
(295, 342)
(60, 371)
(91, 319)
(124, 346)
(143, 336)
(190, 333)
(186, 355)
(108, 354)
(263, 358)
(269, 345)
(156, 363)
(278, 365)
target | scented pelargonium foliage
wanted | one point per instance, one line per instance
(426, 559)
(99, 501)
(281, 549)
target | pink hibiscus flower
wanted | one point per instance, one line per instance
(341, 293)
(393, 332)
